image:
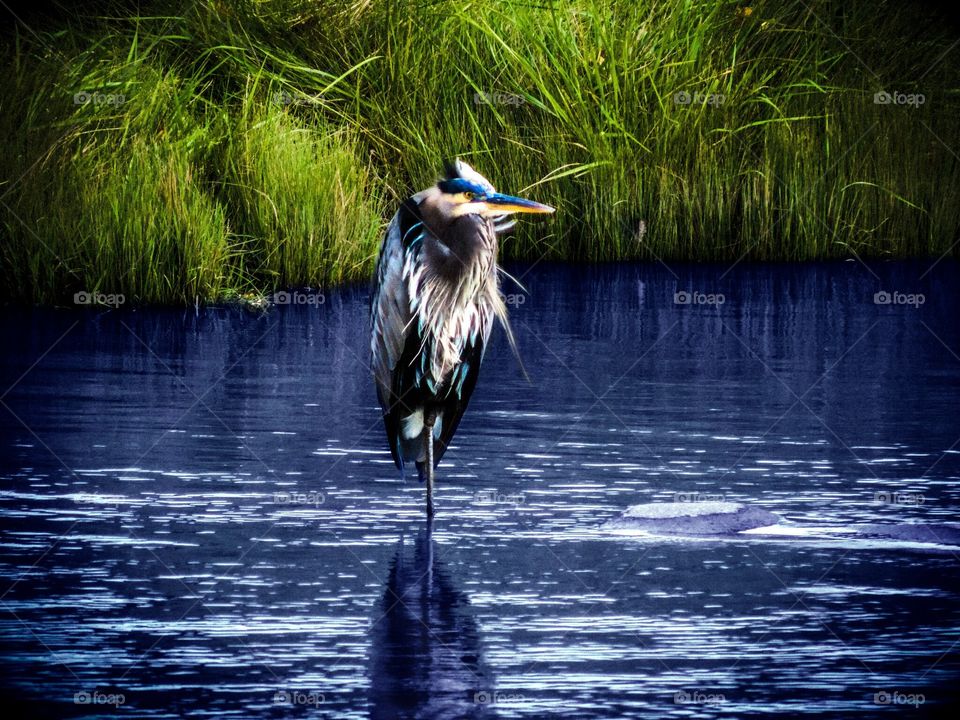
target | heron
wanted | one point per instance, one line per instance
(435, 298)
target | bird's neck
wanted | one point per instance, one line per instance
(465, 253)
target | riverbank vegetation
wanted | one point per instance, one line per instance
(202, 150)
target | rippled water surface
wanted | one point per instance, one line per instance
(200, 518)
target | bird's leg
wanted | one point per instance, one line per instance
(430, 417)
(429, 535)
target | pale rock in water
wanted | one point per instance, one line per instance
(693, 518)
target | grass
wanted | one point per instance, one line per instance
(224, 148)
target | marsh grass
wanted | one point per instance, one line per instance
(309, 208)
(263, 144)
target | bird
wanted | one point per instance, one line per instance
(435, 297)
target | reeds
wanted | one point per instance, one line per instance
(264, 144)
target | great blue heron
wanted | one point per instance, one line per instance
(436, 294)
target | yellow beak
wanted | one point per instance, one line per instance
(509, 203)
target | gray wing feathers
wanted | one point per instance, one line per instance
(390, 311)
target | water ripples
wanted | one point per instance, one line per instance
(258, 551)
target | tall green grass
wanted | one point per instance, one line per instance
(307, 203)
(264, 143)
(129, 172)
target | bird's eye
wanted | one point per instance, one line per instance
(468, 195)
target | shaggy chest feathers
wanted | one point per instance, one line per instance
(455, 297)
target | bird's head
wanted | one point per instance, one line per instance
(464, 191)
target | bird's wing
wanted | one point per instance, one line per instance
(390, 310)
(390, 313)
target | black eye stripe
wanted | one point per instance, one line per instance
(460, 185)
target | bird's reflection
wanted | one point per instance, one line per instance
(426, 660)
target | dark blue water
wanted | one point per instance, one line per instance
(200, 518)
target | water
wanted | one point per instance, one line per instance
(199, 515)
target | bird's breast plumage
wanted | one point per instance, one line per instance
(454, 305)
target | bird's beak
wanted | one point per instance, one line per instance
(511, 204)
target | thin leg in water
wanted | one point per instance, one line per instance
(429, 419)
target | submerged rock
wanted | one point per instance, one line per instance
(940, 533)
(693, 518)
